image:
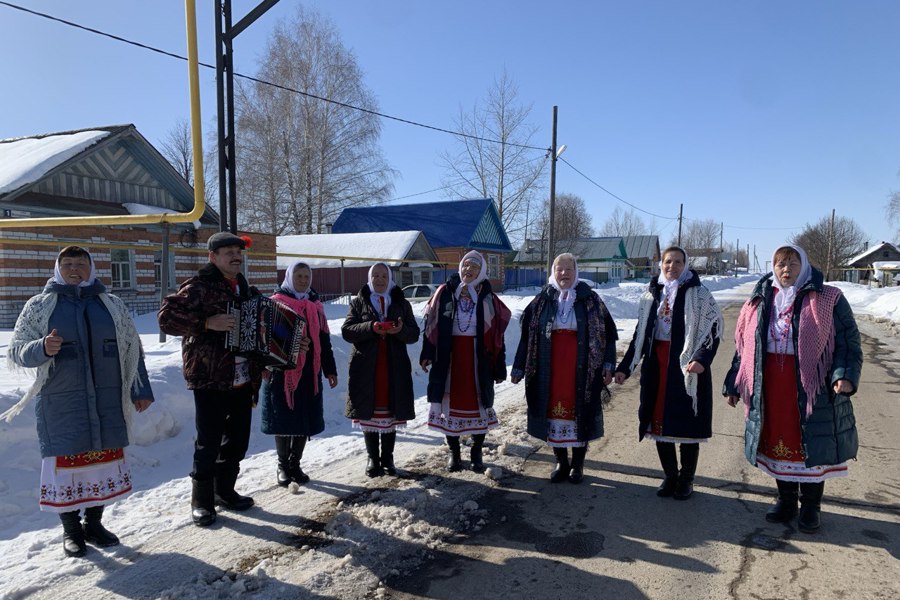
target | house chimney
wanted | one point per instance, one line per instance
(328, 227)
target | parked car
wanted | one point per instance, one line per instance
(419, 292)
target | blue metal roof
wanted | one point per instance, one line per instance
(462, 223)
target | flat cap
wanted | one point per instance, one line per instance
(224, 238)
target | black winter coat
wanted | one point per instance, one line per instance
(488, 371)
(307, 416)
(358, 330)
(679, 419)
(588, 414)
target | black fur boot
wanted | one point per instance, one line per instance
(373, 465)
(73, 534)
(94, 531)
(283, 449)
(454, 463)
(577, 473)
(810, 505)
(785, 507)
(684, 489)
(298, 445)
(387, 452)
(475, 455)
(563, 468)
(669, 461)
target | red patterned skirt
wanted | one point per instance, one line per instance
(562, 429)
(461, 412)
(780, 451)
(382, 420)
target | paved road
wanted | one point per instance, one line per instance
(611, 537)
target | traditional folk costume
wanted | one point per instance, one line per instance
(292, 407)
(798, 430)
(85, 400)
(464, 328)
(568, 341)
(380, 395)
(678, 322)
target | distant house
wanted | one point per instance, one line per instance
(452, 229)
(600, 259)
(407, 253)
(861, 268)
(643, 256)
(96, 172)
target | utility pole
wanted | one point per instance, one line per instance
(680, 211)
(551, 240)
(721, 247)
(830, 248)
(737, 253)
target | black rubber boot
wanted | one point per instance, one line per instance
(454, 463)
(387, 452)
(73, 534)
(476, 453)
(298, 445)
(203, 510)
(810, 505)
(226, 496)
(577, 473)
(785, 507)
(685, 486)
(373, 465)
(283, 449)
(563, 468)
(94, 531)
(669, 461)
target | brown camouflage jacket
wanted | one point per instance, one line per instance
(208, 365)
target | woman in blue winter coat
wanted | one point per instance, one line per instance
(292, 408)
(90, 380)
(797, 362)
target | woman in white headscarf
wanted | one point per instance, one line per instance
(463, 343)
(677, 335)
(90, 379)
(291, 399)
(797, 362)
(566, 356)
(380, 324)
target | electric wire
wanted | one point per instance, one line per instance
(268, 83)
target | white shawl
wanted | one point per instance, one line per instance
(701, 313)
(33, 324)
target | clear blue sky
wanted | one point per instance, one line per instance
(764, 115)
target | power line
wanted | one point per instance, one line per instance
(638, 208)
(264, 82)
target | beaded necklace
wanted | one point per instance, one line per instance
(466, 307)
(780, 333)
(566, 315)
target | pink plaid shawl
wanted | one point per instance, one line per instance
(815, 341)
(314, 313)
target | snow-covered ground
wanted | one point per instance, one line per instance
(161, 454)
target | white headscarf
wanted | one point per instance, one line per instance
(376, 295)
(482, 274)
(567, 295)
(671, 287)
(785, 296)
(58, 278)
(288, 283)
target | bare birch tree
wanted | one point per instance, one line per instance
(505, 171)
(302, 159)
(893, 210)
(625, 224)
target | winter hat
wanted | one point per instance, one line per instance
(225, 238)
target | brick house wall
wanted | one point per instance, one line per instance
(452, 256)
(27, 257)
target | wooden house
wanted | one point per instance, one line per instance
(93, 172)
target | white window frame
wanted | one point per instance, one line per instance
(117, 281)
(493, 271)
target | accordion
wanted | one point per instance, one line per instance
(266, 331)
